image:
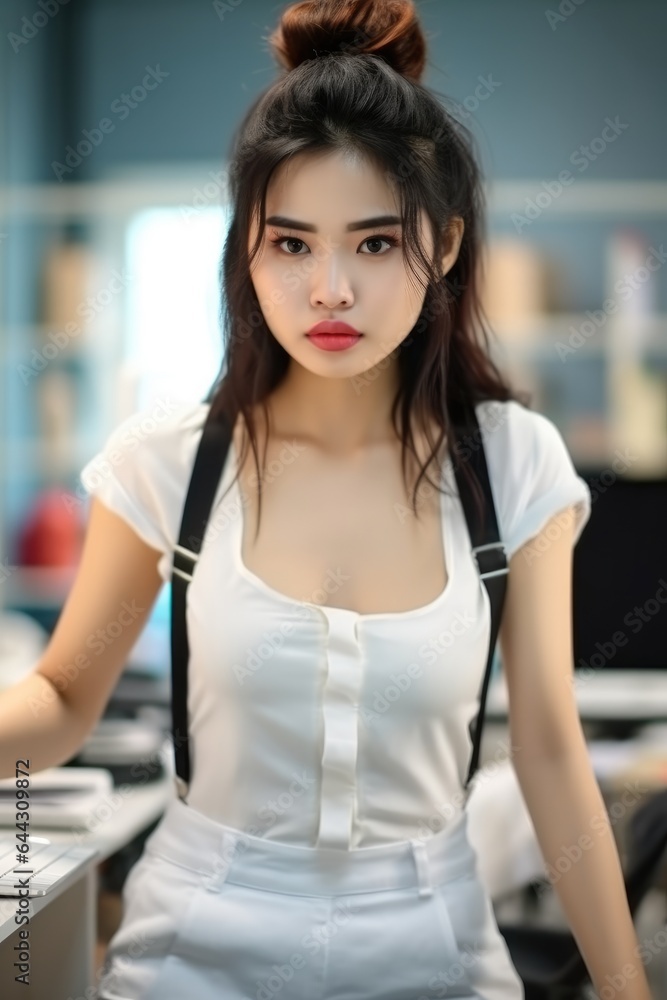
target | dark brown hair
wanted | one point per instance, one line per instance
(351, 82)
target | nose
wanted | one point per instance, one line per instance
(330, 285)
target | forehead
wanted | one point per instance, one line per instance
(330, 187)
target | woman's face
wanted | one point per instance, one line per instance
(302, 276)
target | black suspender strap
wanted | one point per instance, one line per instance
(491, 560)
(206, 472)
(487, 549)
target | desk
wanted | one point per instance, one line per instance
(63, 924)
(62, 934)
(615, 696)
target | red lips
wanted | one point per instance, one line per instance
(333, 326)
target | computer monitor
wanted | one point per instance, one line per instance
(620, 575)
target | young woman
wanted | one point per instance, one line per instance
(321, 848)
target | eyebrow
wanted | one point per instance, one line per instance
(378, 220)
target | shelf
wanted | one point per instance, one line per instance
(582, 197)
(207, 185)
(100, 199)
(646, 336)
(83, 341)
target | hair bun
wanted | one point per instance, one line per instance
(386, 28)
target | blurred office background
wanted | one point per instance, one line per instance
(116, 119)
(116, 116)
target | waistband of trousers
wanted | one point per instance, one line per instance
(221, 853)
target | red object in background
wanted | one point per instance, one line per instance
(51, 535)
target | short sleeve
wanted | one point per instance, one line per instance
(531, 472)
(142, 472)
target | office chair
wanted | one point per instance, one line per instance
(548, 960)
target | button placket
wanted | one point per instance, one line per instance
(340, 716)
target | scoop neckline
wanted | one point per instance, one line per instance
(446, 551)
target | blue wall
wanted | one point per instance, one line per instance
(557, 83)
(555, 80)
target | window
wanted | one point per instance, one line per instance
(173, 338)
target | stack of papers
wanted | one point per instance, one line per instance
(57, 797)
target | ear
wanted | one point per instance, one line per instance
(454, 235)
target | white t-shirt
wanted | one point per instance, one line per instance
(314, 725)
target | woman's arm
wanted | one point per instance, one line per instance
(553, 766)
(48, 715)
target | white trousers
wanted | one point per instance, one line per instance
(211, 912)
